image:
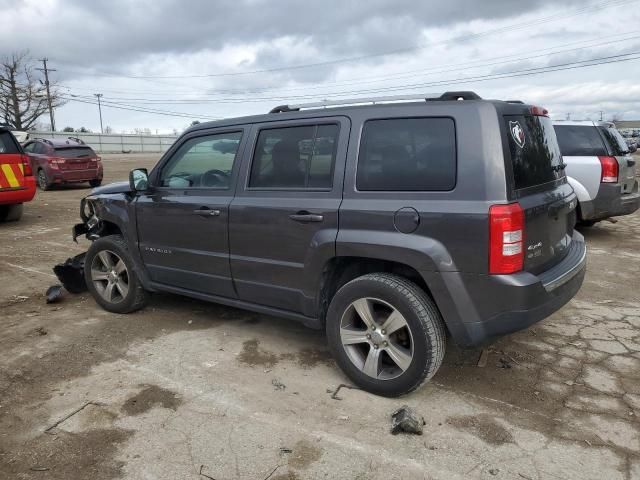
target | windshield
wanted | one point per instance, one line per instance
(580, 141)
(535, 154)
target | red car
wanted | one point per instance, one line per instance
(58, 161)
(17, 184)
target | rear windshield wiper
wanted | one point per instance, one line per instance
(559, 167)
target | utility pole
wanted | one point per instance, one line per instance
(601, 112)
(568, 116)
(98, 95)
(46, 84)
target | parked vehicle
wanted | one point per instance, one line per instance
(17, 184)
(632, 144)
(599, 168)
(60, 161)
(389, 225)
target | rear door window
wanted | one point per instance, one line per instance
(407, 154)
(580, 141)
(535, 154)
(615, 141)
(74, 152)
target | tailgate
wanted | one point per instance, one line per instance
(541, 189)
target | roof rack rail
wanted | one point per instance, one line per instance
(463, 95)
(515, 101)
(45, 140)
(77, 140)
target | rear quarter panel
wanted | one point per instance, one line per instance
(584, 175)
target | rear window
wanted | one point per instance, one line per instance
(74, 152)
(615, 141)
(407, 154)
(7, 144)
(580, 141)
(534, 150)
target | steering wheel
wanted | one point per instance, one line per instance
(214, 178)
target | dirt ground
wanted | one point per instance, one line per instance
(190, 390)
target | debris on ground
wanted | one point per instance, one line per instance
(484, 356)
(494, 471)
(335, 396)
(71, 274)
(284, 450)
(54, 293)
(18, 299)
(40, 331)
(277, 384)
(406, 420)
(503, 363)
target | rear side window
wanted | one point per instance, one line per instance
(407, 154)
(295, 157)
(615, 141)
(535, 154)
(74, 152)
(7, 144)
(580, 141)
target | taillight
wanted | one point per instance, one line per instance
(26, 166)
(539, 111)
(506, 238)
(609, 169)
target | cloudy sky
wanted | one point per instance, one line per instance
(162, 63)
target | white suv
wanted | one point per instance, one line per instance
(599, 168)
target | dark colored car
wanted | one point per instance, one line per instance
(58, 161)
(391, 226)
(17, 184)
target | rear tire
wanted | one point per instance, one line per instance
(392, 361)
(95, 183)
(43, 181)
(11, 213)
(111, 276)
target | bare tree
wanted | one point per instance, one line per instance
(23, 99)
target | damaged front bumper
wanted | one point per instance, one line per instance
(91, 226)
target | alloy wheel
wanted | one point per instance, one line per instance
(110, 276)
(377, 338)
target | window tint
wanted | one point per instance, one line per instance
(615, 141)
(579, 141)
(39, 148)
(535, 154)
(409, 154)
(7, 144)
(73, 152)
(295, 157)
(29, 147)
(203, 162)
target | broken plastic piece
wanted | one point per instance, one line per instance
(54, 293)
(406, 420)
(71, 274)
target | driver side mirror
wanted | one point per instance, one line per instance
(139, 180)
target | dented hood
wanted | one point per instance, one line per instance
(117, 187)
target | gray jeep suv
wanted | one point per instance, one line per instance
(392, 226)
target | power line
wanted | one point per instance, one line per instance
(452, 81)
(507, 28)
(209, 99)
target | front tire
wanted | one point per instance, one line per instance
(111, 278)
(11, 213)
(386, 334)
(95, 183)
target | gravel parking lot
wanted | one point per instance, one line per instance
(190, 390)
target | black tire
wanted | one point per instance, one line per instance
(95, 183)
(136, 296)
(11, 213)
(43, 181)
(423, 320)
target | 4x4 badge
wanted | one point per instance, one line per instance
(517, 133)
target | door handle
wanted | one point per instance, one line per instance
(306, 217)
(206, 212)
